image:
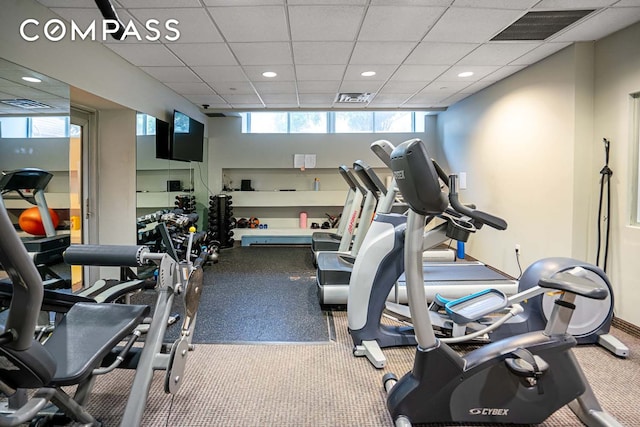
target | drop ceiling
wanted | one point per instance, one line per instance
(319, 48)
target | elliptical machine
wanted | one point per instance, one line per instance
(481, 315)
(521, 379)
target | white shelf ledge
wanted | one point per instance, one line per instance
(271, 199)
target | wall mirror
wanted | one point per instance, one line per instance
(36, 132)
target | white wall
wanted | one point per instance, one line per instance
(532, 148)
(517, 140)
(617, 76)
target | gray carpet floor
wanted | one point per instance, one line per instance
(314, 383)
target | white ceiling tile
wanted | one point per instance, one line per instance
(242, 99)
(600, 25)
(410, 23)
(498, 53)
(445, 87)
(276, 53)
(627, 3)
(194, 54)
(381, 52)
(361, 86)
(572, 4)
(317, 98)
(504, 72)
(383, 72)
(471, 25)
(393, 86)
(324, 23)
(420, 73)
(275, 87)
(279, 98)
(158, 3)
(194, 25)
(191, 88)
(322, 52)
(320, 72)
(479, 72)
(219, 73)
(233, 88)
(171, 74)
(539, 53)
(205, 99)
(146, 54)
(327, 2)
(393, 98)
(424, 99)
(285, 73)
(496, 4)
(477, 86)
(288, 106)
(68, 3)
(315, 87)
(82, 17)
(242, 2)
(412, 2)
(249, 24)
(438, 53)
(247, 106)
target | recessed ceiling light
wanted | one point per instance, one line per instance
(269, 74)
(368, 74)
(466, 74)
(31, 79)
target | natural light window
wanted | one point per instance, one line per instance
(34, 127)
(334, 122)
(145, 124)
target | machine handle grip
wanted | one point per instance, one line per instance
(480, 216)
(105, 255)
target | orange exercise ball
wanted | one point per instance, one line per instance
(31, 222)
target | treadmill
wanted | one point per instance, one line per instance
(44, 250)
(450, 279)
(327, 241)
(334, 268)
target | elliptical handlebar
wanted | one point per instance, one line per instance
(480, 216)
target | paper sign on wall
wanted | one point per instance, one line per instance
(303, 161)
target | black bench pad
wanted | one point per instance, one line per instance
(87, 334)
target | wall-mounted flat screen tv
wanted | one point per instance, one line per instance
(163, 140)
(188, 138)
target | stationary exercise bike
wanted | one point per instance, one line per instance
(521, 379)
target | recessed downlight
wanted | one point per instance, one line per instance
(269, 74)
(31, 79)
(466, 74)
(368, 73)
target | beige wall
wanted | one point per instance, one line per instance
(617, 76)
(532, 148)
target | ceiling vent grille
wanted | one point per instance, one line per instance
(540, 25)
(27, 104)
(354, 98)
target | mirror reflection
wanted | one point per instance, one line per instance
(41, 176)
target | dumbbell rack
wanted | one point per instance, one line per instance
(221, 221)
(186, 202)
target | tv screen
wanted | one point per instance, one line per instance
(188, 138)
(163, 138)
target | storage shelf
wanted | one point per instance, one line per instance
(239, 232)
(242, 199)
(157, 199)
(54, 201)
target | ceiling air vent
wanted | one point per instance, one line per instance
(540, 25)
(27, 104)
(351, 98)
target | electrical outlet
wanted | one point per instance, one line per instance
(518, 247)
